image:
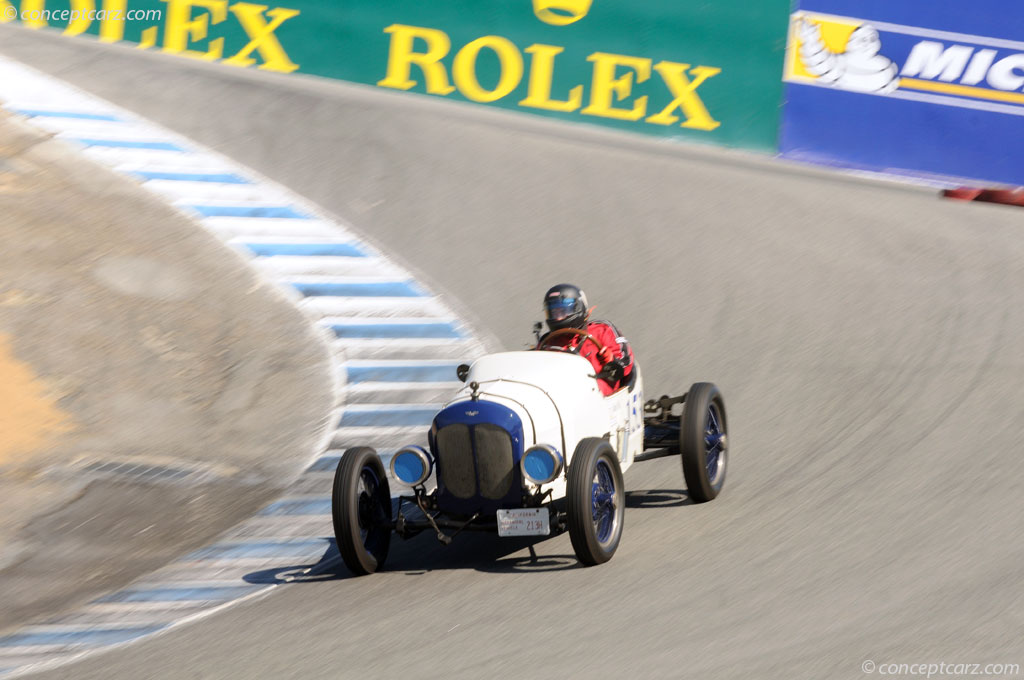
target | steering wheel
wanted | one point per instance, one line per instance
(573, 331)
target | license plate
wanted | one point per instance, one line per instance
(524, 522)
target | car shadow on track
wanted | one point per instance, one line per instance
(322, 570)
(423, 554)
(657, 498)
(477, 551)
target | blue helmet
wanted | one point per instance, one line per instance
(565, 306)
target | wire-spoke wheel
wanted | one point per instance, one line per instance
(704, 442)
(361, 510)
(596, 501)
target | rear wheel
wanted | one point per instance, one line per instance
(361, 510)
(703, 443)
(596, 501)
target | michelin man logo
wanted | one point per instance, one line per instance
(858, 68)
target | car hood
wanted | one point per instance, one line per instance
(554, 393)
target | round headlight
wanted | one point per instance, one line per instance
(411, 465)
(541, 464)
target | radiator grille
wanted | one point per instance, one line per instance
(493, 463)
(455, 459)
(494, 460)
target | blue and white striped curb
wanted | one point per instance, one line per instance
(395, 347)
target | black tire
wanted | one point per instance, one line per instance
(361, 510)
(594, 464)
(703, 442)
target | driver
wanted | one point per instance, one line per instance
(565, 307)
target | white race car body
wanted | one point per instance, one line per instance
(556, 400)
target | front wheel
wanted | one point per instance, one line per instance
(596, 501)
(361, 510)
(703, 443)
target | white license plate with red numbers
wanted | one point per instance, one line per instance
(524, 522)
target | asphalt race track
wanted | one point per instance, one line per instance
(868, 338)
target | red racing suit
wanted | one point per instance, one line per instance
(615, 348)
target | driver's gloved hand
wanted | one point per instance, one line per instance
(612, 371)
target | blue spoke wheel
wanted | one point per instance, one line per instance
(596, 501)
(704, 442)
(361, 510)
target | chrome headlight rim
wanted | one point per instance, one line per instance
(557, 464)
(426, 460)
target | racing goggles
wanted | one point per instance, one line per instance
(561, 308)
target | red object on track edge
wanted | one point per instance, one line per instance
(1003, 196)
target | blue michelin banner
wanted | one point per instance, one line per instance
(932, 89)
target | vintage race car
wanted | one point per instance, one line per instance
(529, 446)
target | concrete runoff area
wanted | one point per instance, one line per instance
(868, 338)
(153, 391)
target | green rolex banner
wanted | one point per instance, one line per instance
(708, 72)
